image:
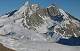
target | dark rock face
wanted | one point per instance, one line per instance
(34, 20)
(53, 11)
(57, 18)
(43, 12)
(70, 30)
(11, 13)
(50, 34)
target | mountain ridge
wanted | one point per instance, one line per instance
(33, 23)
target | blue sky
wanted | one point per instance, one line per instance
(71, 6)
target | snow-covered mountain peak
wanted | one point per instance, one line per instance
(35, 23)
(52, 5)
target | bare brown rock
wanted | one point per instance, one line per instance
(3, 48)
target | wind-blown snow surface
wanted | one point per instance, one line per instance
(15, 35)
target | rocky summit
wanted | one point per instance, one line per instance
(33, 23)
